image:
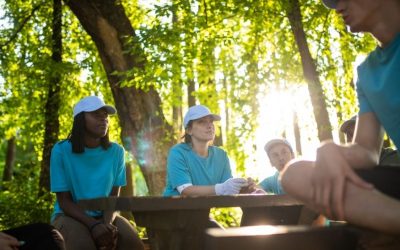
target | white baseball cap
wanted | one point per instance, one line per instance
(330, 3)
(276, 141)
(92, 103)
(197, 112)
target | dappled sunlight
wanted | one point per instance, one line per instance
(276, 114)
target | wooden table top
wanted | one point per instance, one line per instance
(158, 203)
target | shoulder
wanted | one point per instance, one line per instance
(217, 150)
(116, 146)
(180, 148)
(64, 145)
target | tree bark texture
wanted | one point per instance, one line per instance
(52, 125)
(144, 130)
(310, 73)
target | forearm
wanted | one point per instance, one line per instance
(198, 190)
(71, 209)
(372, 209)
(360, 157)
(363, 207)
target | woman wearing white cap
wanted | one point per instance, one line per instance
(197, 168)
(87, 165)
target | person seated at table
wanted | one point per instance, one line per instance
(195, 167)
(35, 236)
(335, 183)
(279, 152)
(388, 155)
(85, 166)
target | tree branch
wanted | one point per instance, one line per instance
(23, 23)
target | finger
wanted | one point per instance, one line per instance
(357, 180)
(338, 203)
(239, 180)
(326, 200)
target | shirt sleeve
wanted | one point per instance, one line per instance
(58, 181)
(266, 184)
(177, 169)
(120, 179)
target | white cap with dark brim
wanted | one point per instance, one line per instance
(92, 103)
(330, 3)
(197, 112)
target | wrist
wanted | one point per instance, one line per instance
(218, 189)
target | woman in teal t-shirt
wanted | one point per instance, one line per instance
(87, 165)
(197, 168)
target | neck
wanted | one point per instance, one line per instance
(92, 142)
(200, 147)
(388, 26)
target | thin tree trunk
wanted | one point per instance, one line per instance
(52, 107)
(191, 89)
(10, 159)
(310, 73)
(297, 135)
(144, 129)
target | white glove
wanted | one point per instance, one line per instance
(230, 186)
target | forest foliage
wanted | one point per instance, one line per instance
(223, 54)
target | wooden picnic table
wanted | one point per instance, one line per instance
(299, 237)
(180, 222)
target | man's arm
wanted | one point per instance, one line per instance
(364, 207)
(335, 163)
(367, 142)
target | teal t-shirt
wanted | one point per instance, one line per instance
(91, 174)
(272, 184)
(378, 87)
(185, 166)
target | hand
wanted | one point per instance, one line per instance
(7, 242)
(230, 186)
(250, 188)
(105, 236)
(329, 177)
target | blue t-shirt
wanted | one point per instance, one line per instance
(91, 174)
(186, 166)
(272, 184)
(378, 87)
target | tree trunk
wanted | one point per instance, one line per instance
(310, 73)
(191, 89)
(297, 135)
(10, 159)
(144, 129)
(52, 107)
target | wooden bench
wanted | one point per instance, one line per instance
(281, 238)
(180, 222)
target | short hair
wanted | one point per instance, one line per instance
(77, 135)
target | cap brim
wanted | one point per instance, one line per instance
(110, 109)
